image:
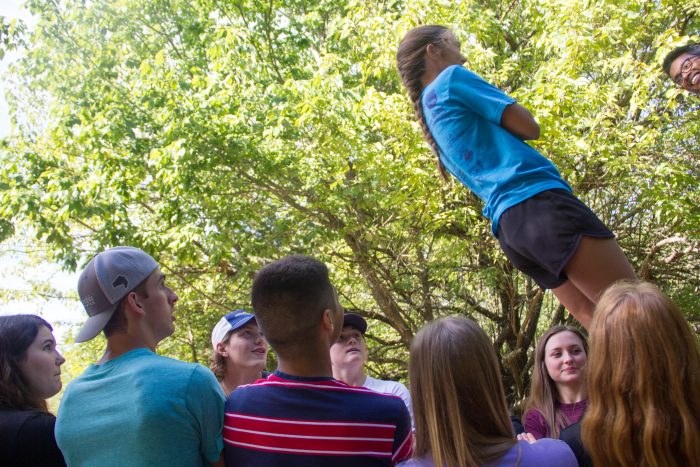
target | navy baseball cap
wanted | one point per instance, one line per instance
(356, 321)
(230, 322)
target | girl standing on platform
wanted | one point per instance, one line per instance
(478, 134)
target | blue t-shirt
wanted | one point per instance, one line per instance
(542, 453)
(463, 113)
(142, 409)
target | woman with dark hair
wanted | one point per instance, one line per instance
(478, 134)
(558, 393)
(30, 372)
(460, 410)
(643, 381)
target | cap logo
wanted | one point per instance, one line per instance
(88, 301)
(120, 280)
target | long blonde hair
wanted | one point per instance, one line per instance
(543, 390)
(643, 381)
(459, 407)
(410, 61)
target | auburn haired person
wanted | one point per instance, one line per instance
(643, 381)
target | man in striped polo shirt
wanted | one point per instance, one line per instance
(301, 415)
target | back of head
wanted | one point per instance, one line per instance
(289, 297)
(410, 57)
(543, 390)
(17, 332)
(460, 411)
(643, 380)
(692, 49)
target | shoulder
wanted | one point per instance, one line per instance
(41, 419)
(385, 386)
(553, 451)
(417, 462)
(28, 422)
(533, 415)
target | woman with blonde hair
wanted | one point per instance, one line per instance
(643, 381)
(460, 411)
(557, 393)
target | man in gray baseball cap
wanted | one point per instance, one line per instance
(133, 406)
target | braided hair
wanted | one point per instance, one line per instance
(410, 61)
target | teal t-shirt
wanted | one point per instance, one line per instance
(142, 409)
(463, 113)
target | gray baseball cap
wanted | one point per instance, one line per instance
(108, 278)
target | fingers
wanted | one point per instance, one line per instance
(526, 437)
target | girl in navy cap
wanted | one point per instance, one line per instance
(239, 350)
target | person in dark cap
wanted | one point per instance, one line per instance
(349, 355)
(239, 351)
(134, 407)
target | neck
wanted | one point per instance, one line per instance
(431, 72)
(237, 377)
(308, 362)
(571, 394)
(353, 376)
(119, 344)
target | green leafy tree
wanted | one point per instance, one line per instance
(220, 135)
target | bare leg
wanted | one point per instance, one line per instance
(597, 263)
(576, 302)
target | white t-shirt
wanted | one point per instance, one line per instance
(391, 387)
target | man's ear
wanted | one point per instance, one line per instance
(133, 303)
(221, 349)
(327, 320)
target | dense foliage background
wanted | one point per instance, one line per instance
(219, 135)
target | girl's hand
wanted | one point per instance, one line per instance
(526, 437)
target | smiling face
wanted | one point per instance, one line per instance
(41, 365)
(245, 348)
(565, 358)
(350, 350)
(685, 72)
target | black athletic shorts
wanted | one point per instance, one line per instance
(540, 235)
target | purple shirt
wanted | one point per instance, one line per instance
(543, 453)
(537, 426)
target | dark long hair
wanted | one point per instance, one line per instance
(17, 332)
(410, 60)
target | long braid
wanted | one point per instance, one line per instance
(410, 61)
